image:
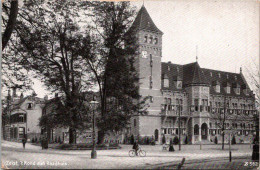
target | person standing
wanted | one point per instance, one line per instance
(171, 148)
(24, 142)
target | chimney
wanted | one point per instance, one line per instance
(240, 70)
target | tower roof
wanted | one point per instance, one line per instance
(194, 74)
(143, 21)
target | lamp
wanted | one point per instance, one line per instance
(93, 105)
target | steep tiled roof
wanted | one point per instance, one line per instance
(193, 74)
(224, 79)
(143, 21)
(172, 72)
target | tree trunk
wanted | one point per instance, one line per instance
(223, 139)
(10, 24)
(72, 136)
(101, 136)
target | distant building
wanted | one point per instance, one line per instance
(23, 117)
(196, 93)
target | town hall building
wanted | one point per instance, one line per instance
(198, 96)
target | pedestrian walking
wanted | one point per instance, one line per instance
(171, 148)
(24, 142)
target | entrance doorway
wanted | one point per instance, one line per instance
(204, 131)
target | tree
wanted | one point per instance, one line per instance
(113, 69)
(186, 140)
(222, 116)
(51, 44)
(132, 139)
(10, 12)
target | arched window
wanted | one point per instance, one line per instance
(196, 129)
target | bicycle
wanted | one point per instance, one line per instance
(140, 152)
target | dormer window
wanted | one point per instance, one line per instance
(219, 75)
(165, 81)
(227, 76)
(210, 74)
(218, 88)
(169, 68)
(179, 84)
(236, 87)
(216, 85)
(238, 91)
(228, 89)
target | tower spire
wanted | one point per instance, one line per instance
(196, 53)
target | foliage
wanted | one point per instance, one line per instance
(216, 140)
(186, 140)
(70, 58)
(114, 68)
(132, 139)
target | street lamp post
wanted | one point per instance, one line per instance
(93, 103)
(178, 108)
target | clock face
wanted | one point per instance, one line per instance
(144, 54)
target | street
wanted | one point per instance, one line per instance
(211, 156)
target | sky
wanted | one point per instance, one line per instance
(226, 33)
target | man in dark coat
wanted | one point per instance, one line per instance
(171, 148)
(136, 147)
(24, 142)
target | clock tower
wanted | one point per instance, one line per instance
(149, 70)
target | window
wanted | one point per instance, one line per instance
(218, 88)
(134, 122)
(179, 84)
(30, 106)
(165, 82)
(145, 39)
(151, 40)
(169, 68)
(238, 90)
(196, 103)
(196, 129)
(156, 41)
(228, 90)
